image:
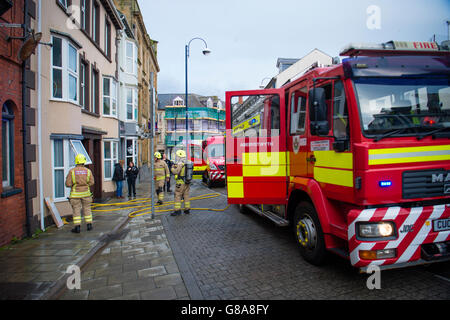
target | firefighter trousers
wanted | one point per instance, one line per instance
(159, 185)
(77, 205)
(182, 192)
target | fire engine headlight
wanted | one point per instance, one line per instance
(376, 230)
(212, 166)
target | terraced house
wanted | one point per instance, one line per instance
(78, 94)
(145, 55)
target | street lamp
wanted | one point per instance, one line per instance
(206, 52)
(261, 86)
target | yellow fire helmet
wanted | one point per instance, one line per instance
(80, 159)
(181, 154)
(158, 155)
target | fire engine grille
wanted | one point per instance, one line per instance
(221, 168)
(425, 183)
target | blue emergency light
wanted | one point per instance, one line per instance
(385, 183)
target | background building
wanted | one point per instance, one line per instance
(206, 118)
(128, 93)
(291, 69)
(148, 69)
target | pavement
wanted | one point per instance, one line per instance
(35, 269)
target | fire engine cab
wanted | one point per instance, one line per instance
(355, 157)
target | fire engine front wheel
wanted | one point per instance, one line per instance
(308, 234)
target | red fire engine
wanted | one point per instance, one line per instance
(354, 156)
(208, 158)
(214, 156)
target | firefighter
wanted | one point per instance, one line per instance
(182, 186)
(80, 180)
(161, 175)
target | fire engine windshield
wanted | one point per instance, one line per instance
(403, 107)
(216, 151)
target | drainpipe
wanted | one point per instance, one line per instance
(39, 120)
(24, 128)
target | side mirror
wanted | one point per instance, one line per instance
(318, 112)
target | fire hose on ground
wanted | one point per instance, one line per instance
(143, 206)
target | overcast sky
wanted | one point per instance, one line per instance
(248, 36)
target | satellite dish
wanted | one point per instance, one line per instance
(27, 48)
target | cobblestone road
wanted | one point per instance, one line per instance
(234, 256)
(228, 255)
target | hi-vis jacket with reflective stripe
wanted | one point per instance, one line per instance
(161, 170)
(80, 179)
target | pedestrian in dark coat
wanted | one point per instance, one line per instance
(132, 173)
(169, 164)
(119, 177)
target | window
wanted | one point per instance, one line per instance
(340, 112)
(109, 97)
(178, 102)
(107, 39)
(131, 58)
(7, 146)
(298, 111)
(95, 90)
(58, 168)
(84, 85)
(64, 70)
(63, 159)
(256, 116)
(96, 23)
(111, 157)
(73, 73)
(64, 3)
(132, 102)
(84, 14)
(57, 71)
(78, 147)
(132, 151)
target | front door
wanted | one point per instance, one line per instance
(256, 147)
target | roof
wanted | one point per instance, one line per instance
(112, 12)
(127, 27)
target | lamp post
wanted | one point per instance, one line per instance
(206, 52)
(261, 86)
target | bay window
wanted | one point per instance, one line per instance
(63, 159)
(131, 58)
(64, 73)
(132, 103)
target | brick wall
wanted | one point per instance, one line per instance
(12, 207)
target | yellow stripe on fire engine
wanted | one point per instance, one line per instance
(332, 159)
(264, 164)
(332, 176)
(235, 187)
(409, 155)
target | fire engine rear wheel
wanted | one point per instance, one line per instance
(242, 209)
(209, 183)
(308, 234)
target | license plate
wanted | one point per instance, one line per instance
(441, 225)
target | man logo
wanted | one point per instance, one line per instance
(440, 178)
